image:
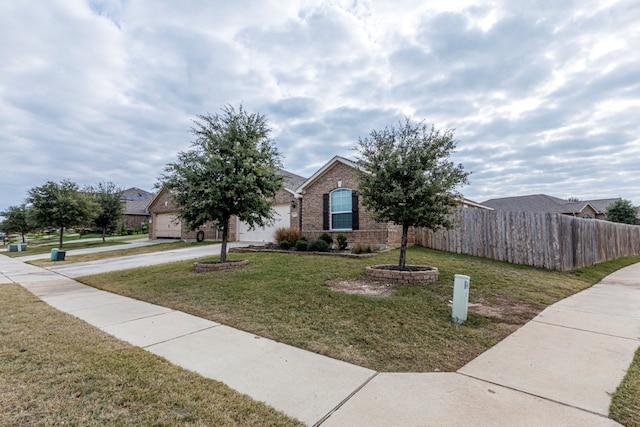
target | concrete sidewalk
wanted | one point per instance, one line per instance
(559, 369)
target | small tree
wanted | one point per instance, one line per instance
(109, 204)
(61, 205)
(408, 179)
(622, 211)
(229, 171)
(18, 220)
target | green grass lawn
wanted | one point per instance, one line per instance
(285, 297)
(625, 406)
(58, 370)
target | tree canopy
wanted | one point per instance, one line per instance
(60, 205)
(622, 211)
(109, 203)
(17, 220)
(408, 178)
(230, 170)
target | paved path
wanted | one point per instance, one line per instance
(558, 370)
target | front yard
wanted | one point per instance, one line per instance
(290, 298)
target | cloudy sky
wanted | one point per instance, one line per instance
(544, 96)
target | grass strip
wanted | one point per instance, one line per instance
(58, 370)
(625, 405)
(70, 259)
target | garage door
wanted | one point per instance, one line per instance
(167, 227)
(265, 234)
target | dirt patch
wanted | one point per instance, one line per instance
(508, 311)
(372, 288)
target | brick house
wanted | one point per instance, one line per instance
(135, 207)
(328, 202)
(164, 223)
(542, 203)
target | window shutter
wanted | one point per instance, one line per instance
(325, 211)
(355, 212)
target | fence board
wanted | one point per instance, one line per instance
(551, 241)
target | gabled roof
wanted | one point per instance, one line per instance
(135, 201)
(325, 168)
(135, 193)
(291, 181)
(544, 203)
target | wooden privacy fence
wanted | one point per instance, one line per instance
(552, 241)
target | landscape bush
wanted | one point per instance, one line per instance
(289, 234)
(318, 246)
(285, 245)
(326, 238)
(302, 244)
(362, 248)
(342, 241)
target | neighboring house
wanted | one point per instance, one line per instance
(135, 207)
(542, 203)
(164, 222)
(328, 202)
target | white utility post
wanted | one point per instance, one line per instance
(460, 298)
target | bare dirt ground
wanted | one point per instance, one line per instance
(511, 312)
(370, 288)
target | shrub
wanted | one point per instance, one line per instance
(325, 237)
(342, 242)
(362, 248)
(302, 244)
(318, 246)
(289, 234)
(285, 245)
(304, 238)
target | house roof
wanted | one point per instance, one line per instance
(291, 181)
(135, 201)
(544, 203)
(135, 193)
(320, 172)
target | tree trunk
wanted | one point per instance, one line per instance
(403, 247)
(223, 248)
(61, 235)
(24, 238)
(104, 231)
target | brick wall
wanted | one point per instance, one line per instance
(310, 207)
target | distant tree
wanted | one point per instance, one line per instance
(18, 220)
(622, 211)
(408, 178)
(573, 199)
(61, 205)
(230, 170)
(109, 206)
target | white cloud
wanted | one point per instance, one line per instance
(543, 96)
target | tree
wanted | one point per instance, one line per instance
(622, 211)
(109, 206)
(18, 220)
(408, 179)
(229, 171)
(61, 205)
